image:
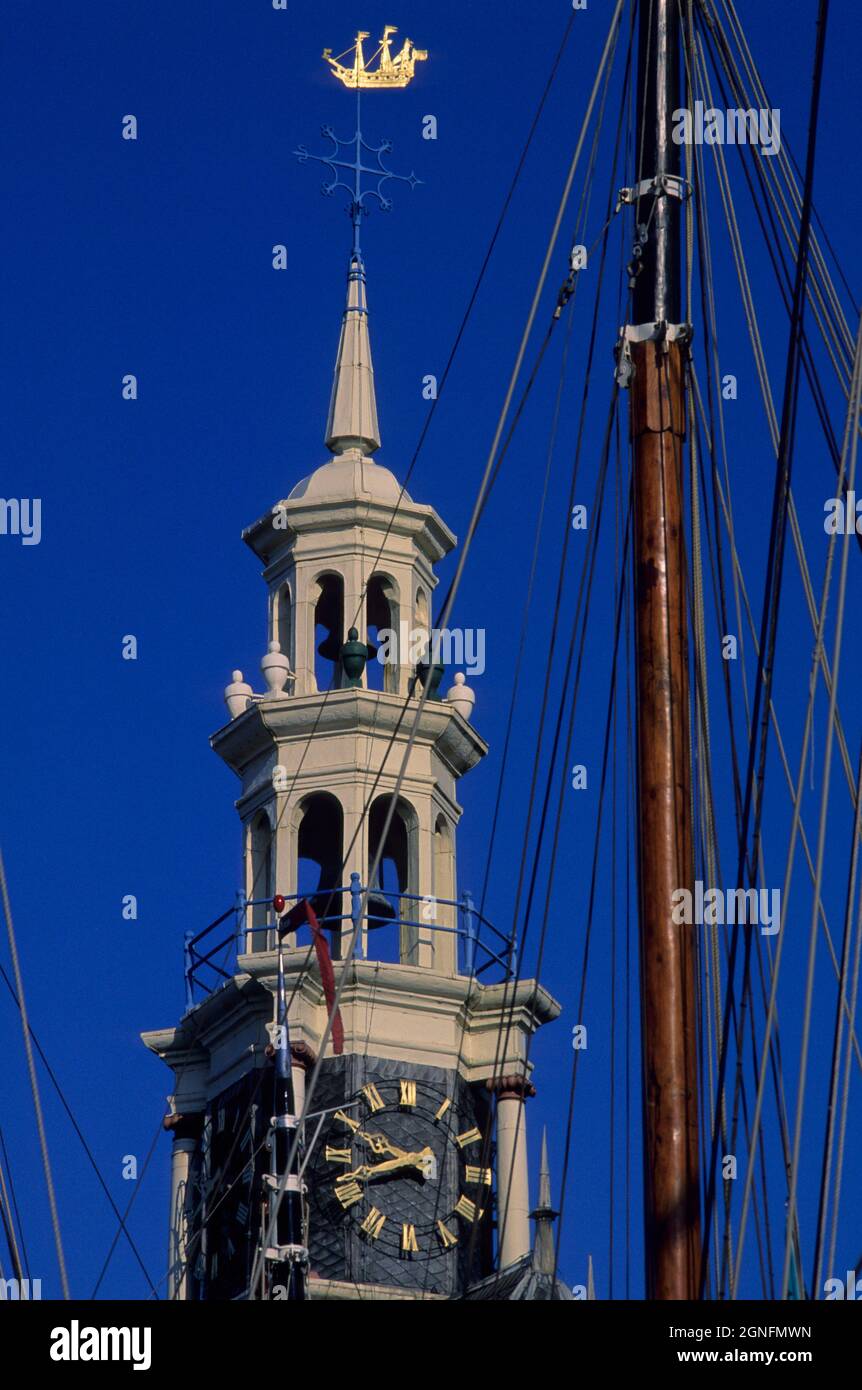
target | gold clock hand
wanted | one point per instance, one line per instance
(380, 1144)
(424, 1160)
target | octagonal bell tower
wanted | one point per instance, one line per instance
(351, 1073)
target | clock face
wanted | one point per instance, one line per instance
(381, 1162)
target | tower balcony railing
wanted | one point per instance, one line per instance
(399, 922)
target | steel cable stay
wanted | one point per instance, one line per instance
(781, 163)
(34, 1081)
(508, 1009)
(714, 35)
(845, 1095)
(783, 277)
(502, 1041)
(853, 433)
(76, 1127)
(594, 869)
(701, 692)
(512, 985)
(772, 589)
(8, 1216)
(590, 557)
(580, 619)
(754, 331)
(702, 757)
(698, 626)
(837, 1039)
(780, 745)
(715, 877)
(12, 1206)
(516, 675)
(794, 523)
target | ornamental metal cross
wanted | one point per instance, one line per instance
(380, 174)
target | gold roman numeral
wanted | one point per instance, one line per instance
(372, 1095)
(348, 1193)
(373, 1223)
(409, 1243)
(474, 1174)
(443, 1108)
(446, 1238)
(470, 1136)
(338, 1155)
(464, 1207)
(347, 1120)
(408, 1093)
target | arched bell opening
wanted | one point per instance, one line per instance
(396, 875)
(445, 915)
(319, 853)
(329, 632)
(281, 628)
(259, 882)
(382, 613)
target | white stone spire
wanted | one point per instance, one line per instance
(352, 422)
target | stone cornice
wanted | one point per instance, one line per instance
(371, 712)
(451, 1021)
(415, 520)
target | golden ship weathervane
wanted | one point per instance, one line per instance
(390, 72)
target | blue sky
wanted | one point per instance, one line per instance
(153, 257)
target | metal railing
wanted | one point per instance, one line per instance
(480, 947)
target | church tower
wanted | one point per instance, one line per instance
(350, 1083)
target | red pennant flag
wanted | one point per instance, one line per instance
(298, 915)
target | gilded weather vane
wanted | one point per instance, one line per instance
(390, 72)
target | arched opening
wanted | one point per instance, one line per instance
(421, 609)
(381, 608)
(260, 888)
(396, 875)
(282, 622)
(329, 632)
(319, 855)
(445, 915)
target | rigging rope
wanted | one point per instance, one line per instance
(34, 1081)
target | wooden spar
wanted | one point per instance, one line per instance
(665, 857)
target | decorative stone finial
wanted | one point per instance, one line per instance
(461, 697)
(354, 655)
(237, 695)
(276, 670)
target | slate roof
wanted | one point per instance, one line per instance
(520, 1280)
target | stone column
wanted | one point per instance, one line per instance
(302, 1059)
(187, 1131)
(513, 1186)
